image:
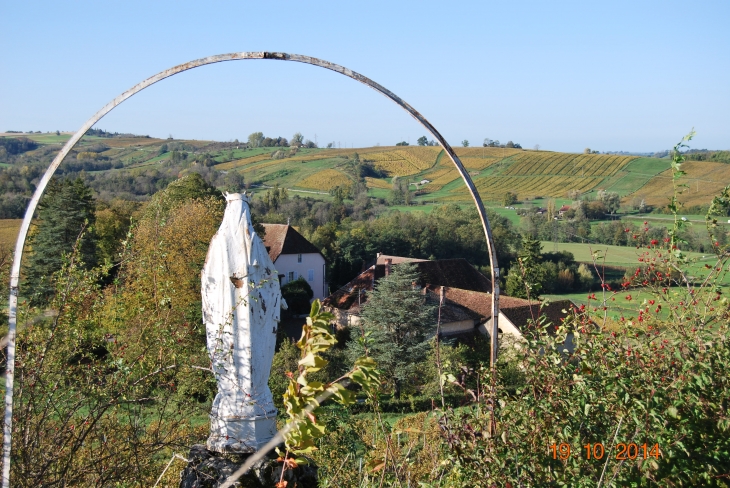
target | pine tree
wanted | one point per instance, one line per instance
(65, 217)
(527, 275)
(400, 324)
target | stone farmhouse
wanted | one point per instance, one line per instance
(345, 303)
(294, 257)
(467, 300)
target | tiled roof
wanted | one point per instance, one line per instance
(397, 259)
(450, 311)
(284, 239)
(456, 273)
(518, 310)
(521, 316)
(479, 302)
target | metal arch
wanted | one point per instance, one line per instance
(20, 243)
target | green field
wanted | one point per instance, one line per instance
(617, 304)
(634, 175)
(620, 256)
(608, 255)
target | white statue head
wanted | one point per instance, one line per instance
(230, 197)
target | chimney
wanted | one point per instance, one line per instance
(388, 263)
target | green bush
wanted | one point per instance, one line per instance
(297, 294)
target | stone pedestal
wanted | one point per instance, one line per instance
(208, 469)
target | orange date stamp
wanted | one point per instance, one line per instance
(624, 451)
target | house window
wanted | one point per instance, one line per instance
(310, 275)
(299, 258)
(292, 276)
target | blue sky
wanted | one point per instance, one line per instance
(628, 75)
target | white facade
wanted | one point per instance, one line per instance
(505, 327)
(516, 337)
(457, 327)
(310, 266)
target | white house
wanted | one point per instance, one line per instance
(295, 256)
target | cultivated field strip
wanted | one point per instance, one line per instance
(493, 187)
(441, 177)
(241, 163)
(475, 163)
(9, 229)
(595, 165)
(377, 183)
(405, 162)
(326, 180)
(490, 152)
(704, 180)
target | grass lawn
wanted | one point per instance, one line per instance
(506, 212)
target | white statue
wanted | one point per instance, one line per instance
(241, 311)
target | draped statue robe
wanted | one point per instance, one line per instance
(241, 311)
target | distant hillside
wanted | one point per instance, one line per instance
(131, 167)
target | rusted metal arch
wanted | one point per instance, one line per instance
(15, 271)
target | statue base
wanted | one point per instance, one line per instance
(208, 469)
(240, 435)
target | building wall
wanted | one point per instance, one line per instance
(286, 264)
(505, 326)
(456, 327)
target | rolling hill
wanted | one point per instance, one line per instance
(531, 174)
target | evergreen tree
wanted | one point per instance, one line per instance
(399, 323)
(527, 274)
(65, 217)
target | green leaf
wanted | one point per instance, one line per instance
(315, 308)
(312, 362)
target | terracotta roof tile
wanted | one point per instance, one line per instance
(397, 259)
(456, 273)
(479, 302)
(522, 316)
(284, 239)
